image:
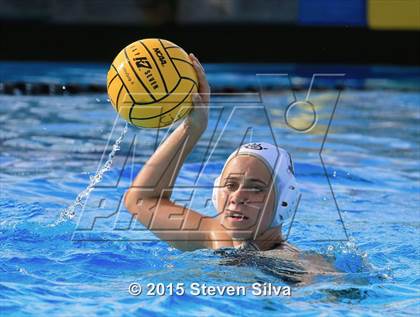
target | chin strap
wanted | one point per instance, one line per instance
(216, 188)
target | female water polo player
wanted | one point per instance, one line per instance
(255, 192)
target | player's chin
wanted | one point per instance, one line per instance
(240, 233)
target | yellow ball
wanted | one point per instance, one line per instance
(150, 83)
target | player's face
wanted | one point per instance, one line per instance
(246, 199)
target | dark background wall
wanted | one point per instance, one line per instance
(288, 31)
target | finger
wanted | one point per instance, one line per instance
(201, 75)
(198, 62)
(203, 85)
(202, 80)
(193, 59)
(196, 98)
(191, 56)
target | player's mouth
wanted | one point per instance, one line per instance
(235, 216)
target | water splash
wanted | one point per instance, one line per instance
(348, 257)
(70, 211)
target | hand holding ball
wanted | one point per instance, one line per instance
(150, 83)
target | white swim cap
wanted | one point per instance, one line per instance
(279, 162)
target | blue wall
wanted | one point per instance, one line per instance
(332, 12)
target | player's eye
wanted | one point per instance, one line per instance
(256, 188)
(231, 186)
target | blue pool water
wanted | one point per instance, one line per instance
(53, 147)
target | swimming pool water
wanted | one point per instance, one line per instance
(52, 147)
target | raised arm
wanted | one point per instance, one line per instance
(148, 197)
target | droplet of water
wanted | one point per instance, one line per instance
(23, 271)
(63, 87)
(70, 212)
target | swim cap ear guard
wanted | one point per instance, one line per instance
(287, 203)
(215, 192)
(280, 163)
